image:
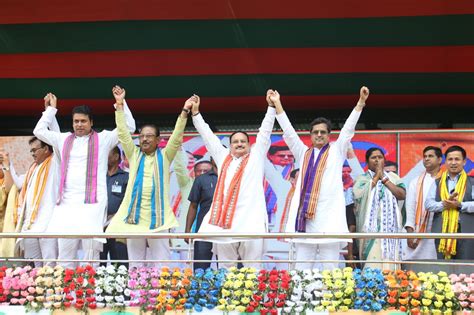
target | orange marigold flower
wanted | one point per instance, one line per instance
(414, 302)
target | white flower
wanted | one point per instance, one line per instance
(287, 309)
(108, 289)
(109, 298)
(119, 298)
(290, 303)
(98, 290)
(99, 298)
(118, 288)
(315, 303)
(299, 309)
(127, 292)
(307, 295)
(110, 269)
(100, 305)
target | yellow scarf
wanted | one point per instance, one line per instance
(39, 187)
(450, 216)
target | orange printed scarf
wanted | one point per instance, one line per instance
(222, 212)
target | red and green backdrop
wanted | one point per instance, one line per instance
(317, 53)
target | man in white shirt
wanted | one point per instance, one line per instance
(239, 202)
(82, 196)
(318, 204)
(419, 220)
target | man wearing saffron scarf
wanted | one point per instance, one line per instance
(82, 196)
(6, 183)
(146, 206)
(376, 195)
(239, 202)
(318, 204)
(419, 220)
(36, 202)
(451, 199)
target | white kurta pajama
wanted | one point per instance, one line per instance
(330, 215)
(250, 213)
(39, 248)
(73, 215)
(426, 248)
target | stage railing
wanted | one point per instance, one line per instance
(291, 238)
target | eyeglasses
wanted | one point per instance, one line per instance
(147, 136)
(319, 132)
(282, 156)
(36, 149)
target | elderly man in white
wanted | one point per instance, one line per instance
(239, 202)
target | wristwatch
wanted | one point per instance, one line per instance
(186, 110)
(5, 168)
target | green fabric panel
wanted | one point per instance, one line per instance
(243, 85)
(140, 35)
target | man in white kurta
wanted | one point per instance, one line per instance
(72, 214)
(250, 214)
(43, 176)
(419, 220)
(330, 212)
(26, 220)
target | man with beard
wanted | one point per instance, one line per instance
(82, 196)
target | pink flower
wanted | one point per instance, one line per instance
(15, 293)
(30, 298)
(22, 301)
(462, 297)
(31, 290)
(468, 280)
(471, 298)
(132, 283)
(464, 304)
(14, 301)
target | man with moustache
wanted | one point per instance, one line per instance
(36, 202)
(419, 219)
(82, 196)
(318, 204)
(146, 206)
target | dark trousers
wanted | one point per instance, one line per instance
(117, 251)
(202, 251)
(464, 247)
